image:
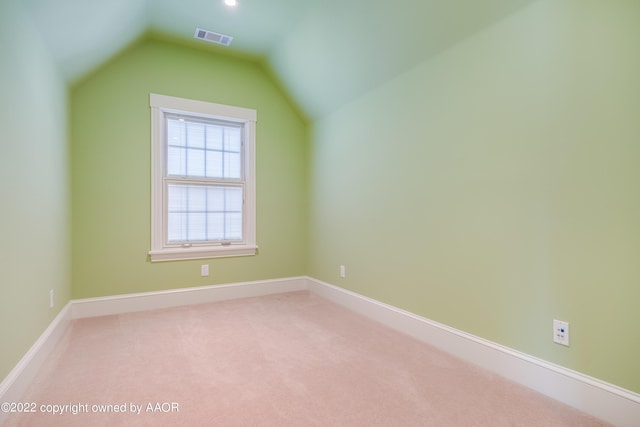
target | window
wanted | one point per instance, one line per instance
(203, 179)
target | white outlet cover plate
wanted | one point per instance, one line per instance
(561, 332)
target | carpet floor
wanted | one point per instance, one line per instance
(290, 359)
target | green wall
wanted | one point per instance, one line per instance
(34, 213)
(110, 134)
(494, 188)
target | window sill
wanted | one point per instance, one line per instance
(177, 254)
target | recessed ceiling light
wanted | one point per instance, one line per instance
(231, 3)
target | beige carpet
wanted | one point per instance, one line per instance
(283, 360)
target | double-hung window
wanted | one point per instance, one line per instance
(203, 179)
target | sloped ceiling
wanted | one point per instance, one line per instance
(324, 52)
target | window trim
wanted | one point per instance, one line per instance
(160, 250)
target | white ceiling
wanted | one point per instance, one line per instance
(324, 52)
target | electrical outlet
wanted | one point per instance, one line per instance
(561, 332)
(204, 270)
(51, 300)
(343, 271)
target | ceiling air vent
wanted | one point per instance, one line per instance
(210, 36)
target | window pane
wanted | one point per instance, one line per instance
(177, 224)
(234, 168)
(214, 137)
(197, 198)
(197, 227)
(178, 198)
(195, 162)
(216, 220)
(215, 199)
(233, 226)
(232, 152)
(233, 139)
(176, 161)
(175, 132)
(214, 164)
(201, 213)
(195, 134)
(233, 199)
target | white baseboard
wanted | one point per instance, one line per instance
(15, 384)
(128, 303)
(605, 401)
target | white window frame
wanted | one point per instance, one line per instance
(161, 250)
